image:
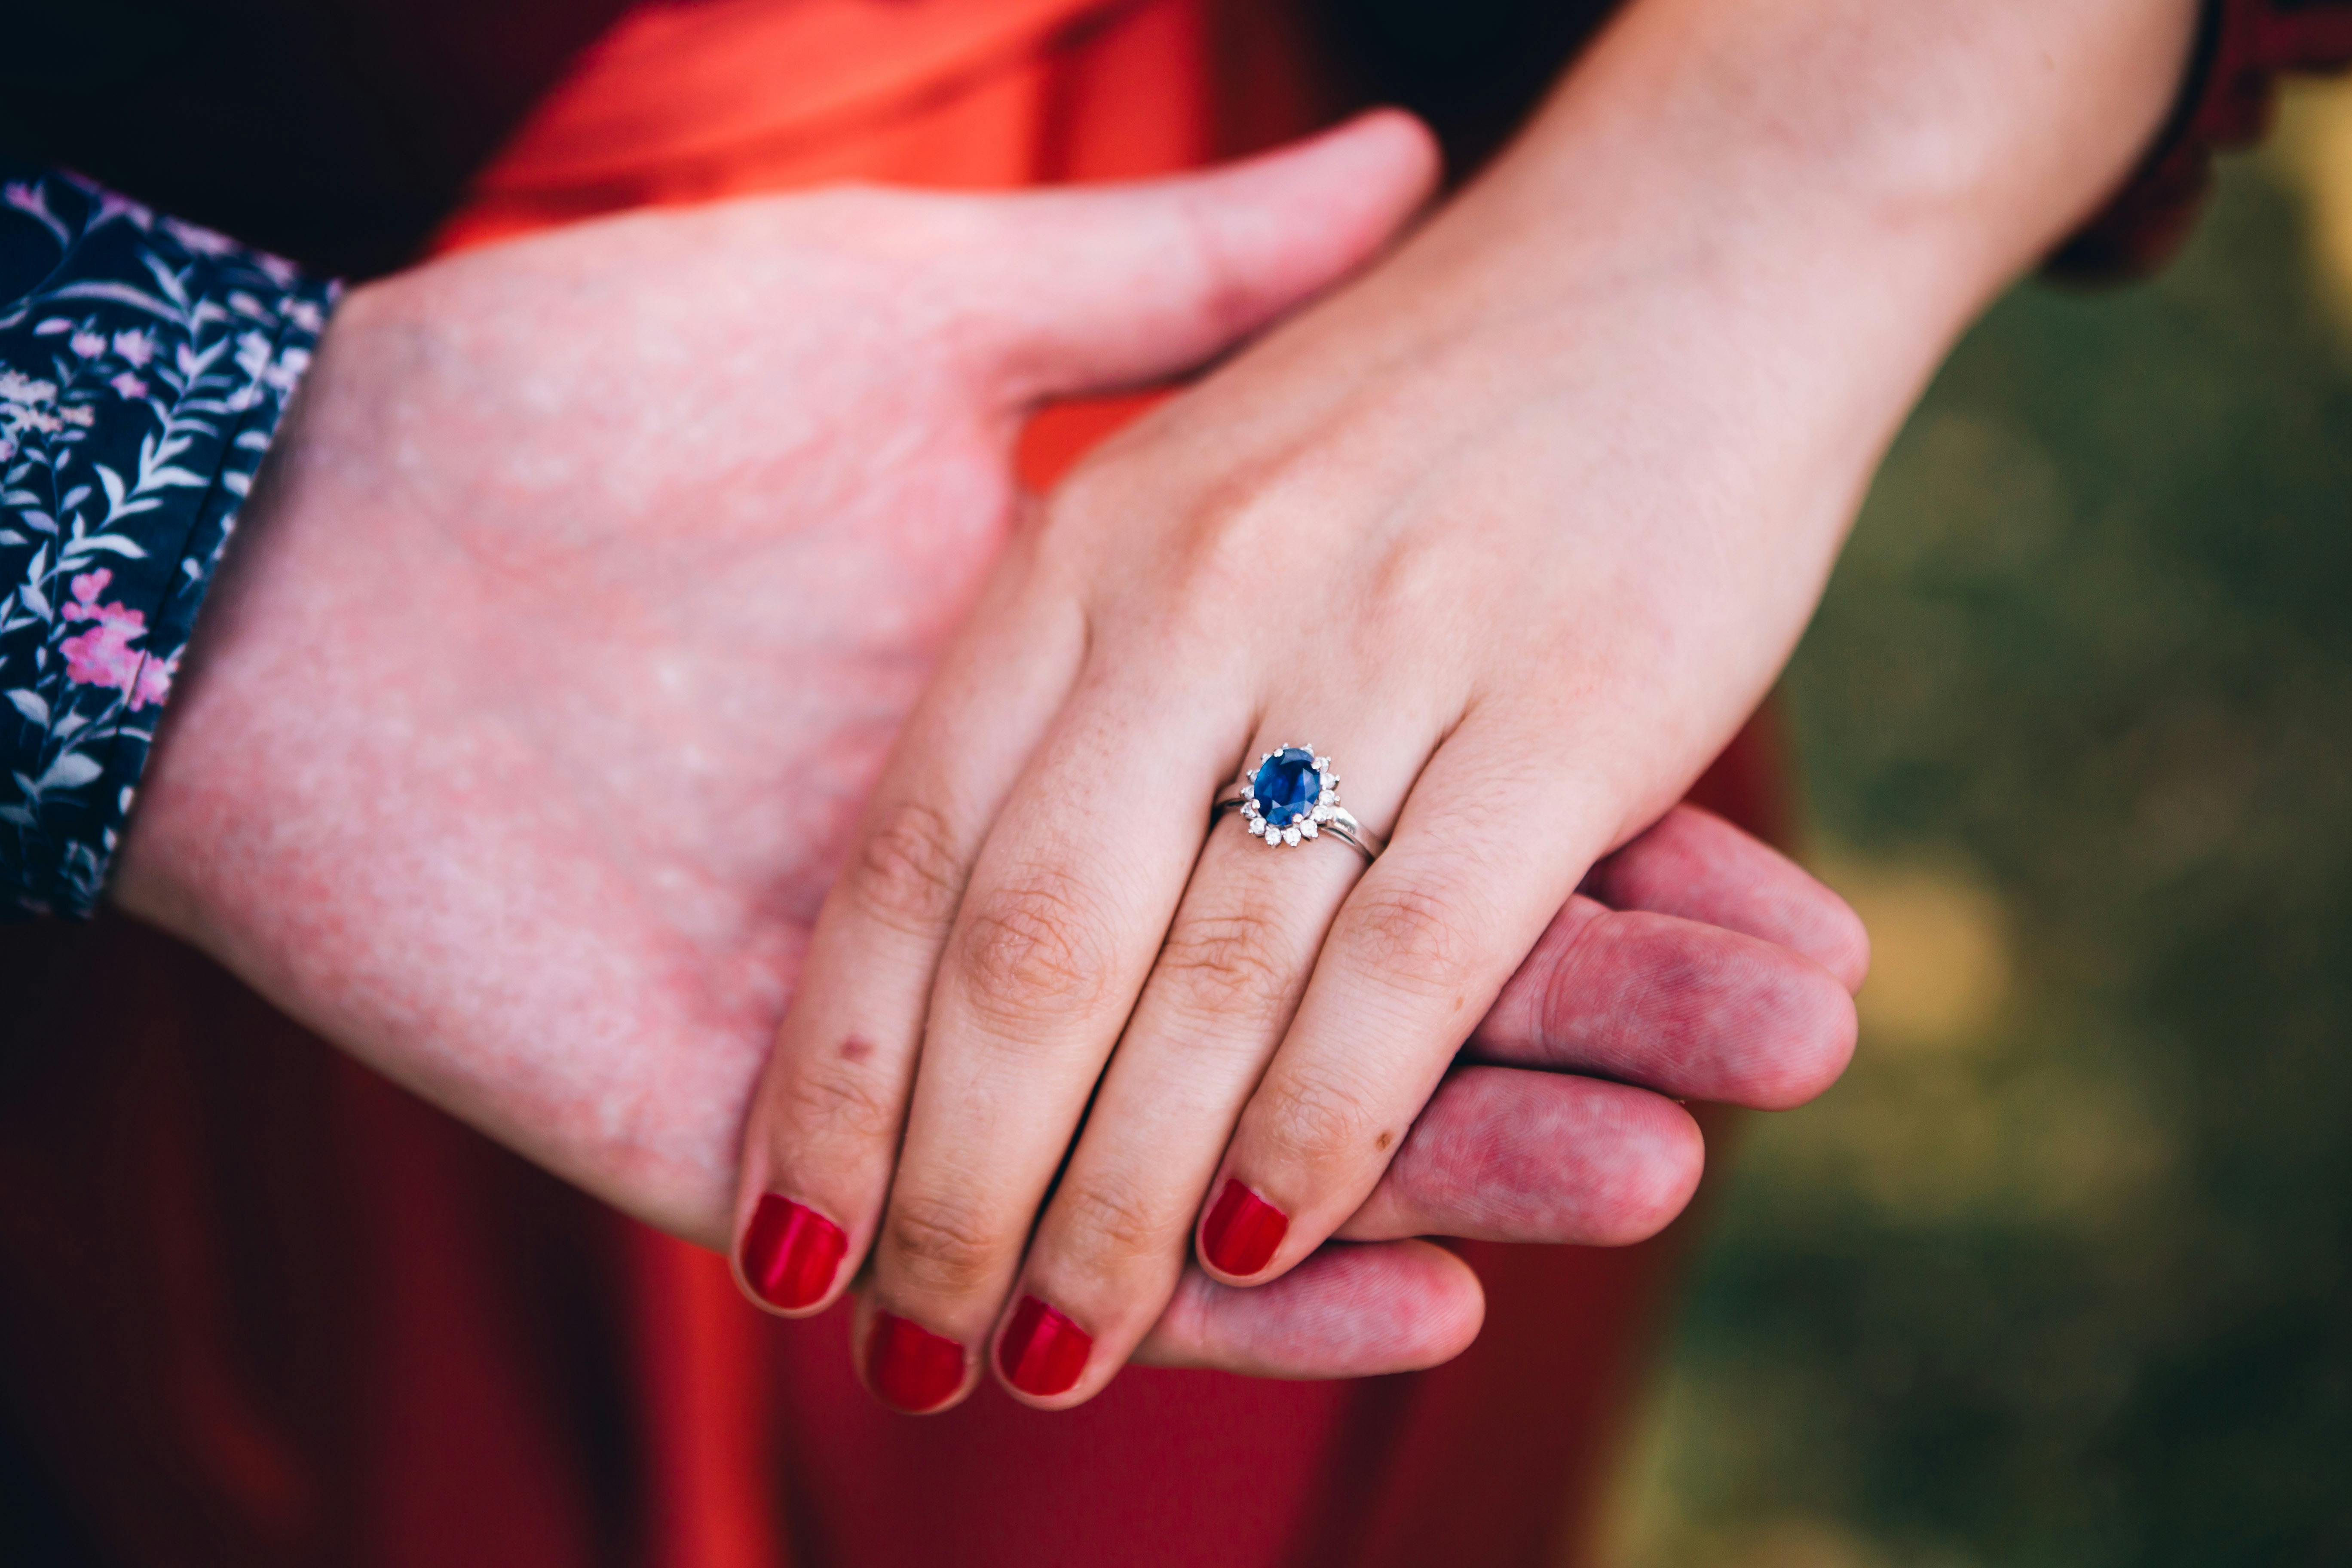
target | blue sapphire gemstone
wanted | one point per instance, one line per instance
(1287, 785)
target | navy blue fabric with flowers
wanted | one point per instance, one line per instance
(144, 365)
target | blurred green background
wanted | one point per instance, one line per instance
(2058, 1274)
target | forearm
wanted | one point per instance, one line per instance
(1976, 133)
(1850, 180)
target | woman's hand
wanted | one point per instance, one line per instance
(1515, 530)
(1346, 539)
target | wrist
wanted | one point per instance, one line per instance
(1976, 133)
(1783, 214)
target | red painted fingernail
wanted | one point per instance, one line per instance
(789, 1253)
(1242, 1231)
(913, 1369)
(1042, 1352)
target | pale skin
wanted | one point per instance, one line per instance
(1517, 527)
(593, 577)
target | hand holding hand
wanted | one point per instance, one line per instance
(593, 575)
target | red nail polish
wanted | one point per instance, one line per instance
(913, 1369)
(1242, 1231)
(1042, 1352)
(790, 1252)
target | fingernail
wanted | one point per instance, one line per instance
(913, 1369)
(1242, 1232)
(791, 1252)
(1042, 1352)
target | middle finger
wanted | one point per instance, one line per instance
(1066, 903)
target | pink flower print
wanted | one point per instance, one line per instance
(128, 385)
(87, 587)
(136, 347)
(103, 656)
(88, 345)
(21, 389)
(154, 682)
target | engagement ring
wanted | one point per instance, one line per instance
(1293, 796)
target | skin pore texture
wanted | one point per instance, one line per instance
(591, 580)
(1517, 526)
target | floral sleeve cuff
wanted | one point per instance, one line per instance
(144, 365)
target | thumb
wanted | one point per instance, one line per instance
(1081, 289)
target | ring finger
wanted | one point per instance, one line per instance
(1067, 903)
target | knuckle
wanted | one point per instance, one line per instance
(1229, 962)
(940, 1247)
(909, 873)
(1315, 1120)
(1419, 568)
(1228, 291)
(1034, 947)
(1245, 519)
(1409, 937)
(1235, 527)
(840, 1099)
(1107, 1224)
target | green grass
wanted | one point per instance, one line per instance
(2071, 1289)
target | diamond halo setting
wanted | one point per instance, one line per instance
(1291, 795)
